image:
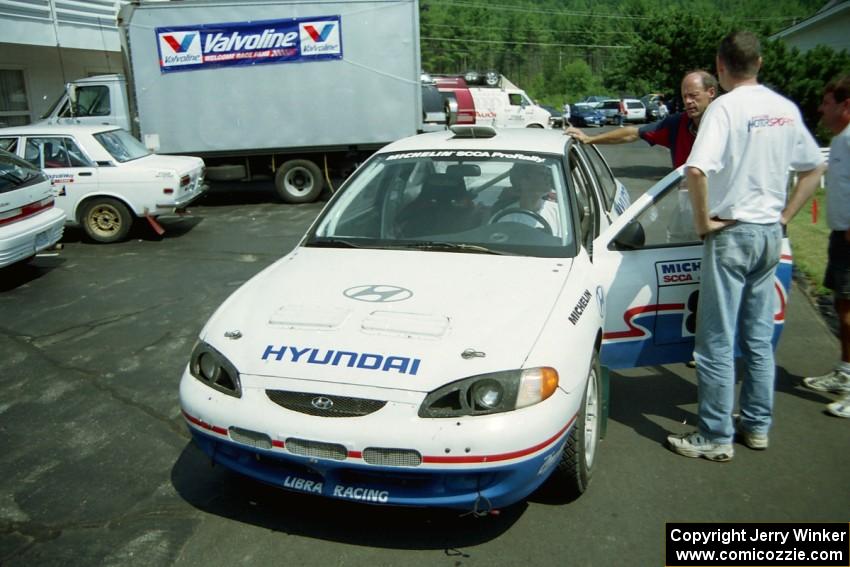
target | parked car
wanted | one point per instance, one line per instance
(556, 118)
(455, 92)
(29, 222)
(635, 110)
(595, 100)
(582, 114)
(609, 109)
(436, 339)
(652, 102)
(104, 177)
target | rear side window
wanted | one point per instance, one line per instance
(635, 105)
(55, 152)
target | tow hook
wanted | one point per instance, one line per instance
(482, 507)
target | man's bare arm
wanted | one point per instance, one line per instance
(618, 136)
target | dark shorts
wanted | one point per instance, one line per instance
(837, 276)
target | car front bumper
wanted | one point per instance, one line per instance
(254, 437)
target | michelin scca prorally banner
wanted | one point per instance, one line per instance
(189, 48)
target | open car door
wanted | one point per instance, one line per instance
(650, 260)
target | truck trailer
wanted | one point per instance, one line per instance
(299, 91)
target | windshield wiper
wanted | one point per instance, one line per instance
(332, 243)
(454, 247)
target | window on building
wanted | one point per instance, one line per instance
(14, 103)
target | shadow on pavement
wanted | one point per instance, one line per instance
(23, 273)
(634, 398)
(217, 491)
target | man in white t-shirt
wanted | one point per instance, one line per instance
(835, 115)
(737, 174)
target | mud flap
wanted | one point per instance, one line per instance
(157, 228)
(605, 385)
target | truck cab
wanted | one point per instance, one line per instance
(94, 101)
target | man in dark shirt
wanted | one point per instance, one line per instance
(677, 131)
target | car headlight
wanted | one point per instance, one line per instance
(213, 369)
(491, 393)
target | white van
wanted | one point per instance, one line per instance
(506, 106)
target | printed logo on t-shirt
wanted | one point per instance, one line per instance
(766, 121)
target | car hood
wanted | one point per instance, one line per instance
(392, 319)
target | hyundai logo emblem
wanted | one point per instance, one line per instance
(322, 403)
(378, 293)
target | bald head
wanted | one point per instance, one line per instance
(698, 90)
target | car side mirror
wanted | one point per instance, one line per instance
(632, 237)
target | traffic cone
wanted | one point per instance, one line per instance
(814, 211)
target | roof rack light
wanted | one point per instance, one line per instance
(473, 131)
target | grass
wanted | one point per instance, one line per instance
(809, 242)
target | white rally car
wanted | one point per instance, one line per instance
(103, 177)
(437, 337)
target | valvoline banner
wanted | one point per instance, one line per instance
(188, 48)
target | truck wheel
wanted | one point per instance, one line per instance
(298, 181)
(579, 456)
(106, 220)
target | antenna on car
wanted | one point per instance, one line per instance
(461, 131)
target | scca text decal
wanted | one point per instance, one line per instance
(363, 360)
(466, 153)
(680, 272)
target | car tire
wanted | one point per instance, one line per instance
(579, 457)
(298, 181)
(106, 220)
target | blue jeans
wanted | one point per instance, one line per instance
(736, 306)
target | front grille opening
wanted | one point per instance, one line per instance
(339, 406)
(392, 457)
(316, 449)
(252, 438)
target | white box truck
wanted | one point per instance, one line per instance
(302, 91)
(502, 104)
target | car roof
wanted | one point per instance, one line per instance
(533, 140)
(56, 129)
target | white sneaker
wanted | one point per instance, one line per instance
(834, 381)
(695, 445)
(840, 408)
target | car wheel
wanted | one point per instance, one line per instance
(298, 181)
(577, 461)
(106, 220)
(534, 126)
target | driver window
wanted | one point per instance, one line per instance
(669, 220)
(587, 213)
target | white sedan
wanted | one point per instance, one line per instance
(103, 177)
(29, 222)
(438, 336)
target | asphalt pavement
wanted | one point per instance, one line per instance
(98, 467)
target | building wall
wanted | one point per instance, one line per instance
(833, 32)
(45, 74)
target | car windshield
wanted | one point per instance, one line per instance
(484, 202)
(121, 145)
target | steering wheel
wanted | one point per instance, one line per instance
(505, 212)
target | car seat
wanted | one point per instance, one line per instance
(443, 206)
